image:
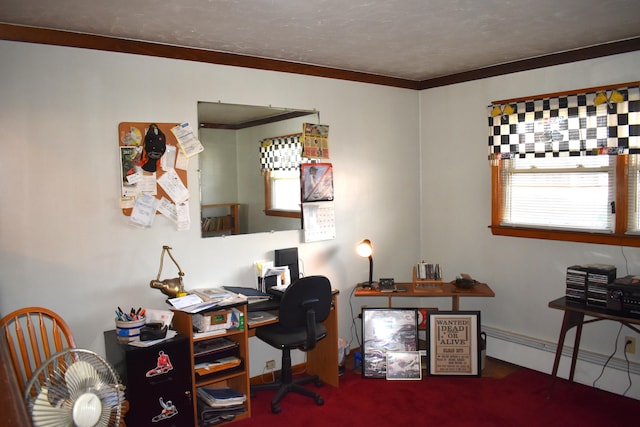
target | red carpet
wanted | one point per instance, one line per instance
(519, 399)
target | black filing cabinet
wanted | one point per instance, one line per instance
(157, 380)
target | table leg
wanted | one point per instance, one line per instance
(576, 346)
(455, 303)
(571, 319)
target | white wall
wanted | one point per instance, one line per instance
(456, 210)
(64, 242)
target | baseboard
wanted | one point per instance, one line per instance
(547, 346)
(271, 376)
(536, 354)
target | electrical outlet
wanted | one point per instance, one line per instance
(271, 364)
(631, 348)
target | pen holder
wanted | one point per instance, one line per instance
(127, 331)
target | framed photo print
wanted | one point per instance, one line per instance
(452, 339)
(404, 365)
(317, 182)
(386, 330)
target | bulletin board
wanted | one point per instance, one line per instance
(134, 158)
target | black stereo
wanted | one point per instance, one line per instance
(624, 295)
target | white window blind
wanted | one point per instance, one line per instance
(572, 192)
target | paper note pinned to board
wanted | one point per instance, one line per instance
(189, 143)
(173, 186)
(144, 211)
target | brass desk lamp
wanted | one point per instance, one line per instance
(170, 287)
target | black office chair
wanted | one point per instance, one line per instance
(304, 306)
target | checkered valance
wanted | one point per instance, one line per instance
(588, 123)
(281, 153)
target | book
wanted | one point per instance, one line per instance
(252, 295)
(205, 348)
(213, 294)
(257, 317)
(207, 368)
(221, 395)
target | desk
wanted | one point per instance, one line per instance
(323, 359)
(574, 313)
(445, 289)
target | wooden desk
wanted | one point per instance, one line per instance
(323, 359)
(574, 313)
(445, 289)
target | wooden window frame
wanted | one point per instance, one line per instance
(268, 209)
(618, 237)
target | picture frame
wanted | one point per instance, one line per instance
(316, 180)
(404, 365)
(386, 330)
(453, 339)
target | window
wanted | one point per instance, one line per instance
(559, 192)
(566, 167)
(280, 159)
(282, 193)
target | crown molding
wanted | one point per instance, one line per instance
(28, 34)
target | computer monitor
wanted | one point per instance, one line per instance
(288, 257)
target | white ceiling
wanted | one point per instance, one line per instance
(409, 39)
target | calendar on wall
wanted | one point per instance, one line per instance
(319, 221)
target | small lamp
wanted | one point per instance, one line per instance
(365, 250)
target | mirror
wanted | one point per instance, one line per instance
(232, 193)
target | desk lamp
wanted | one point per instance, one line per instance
(171, 287)
(365, 250)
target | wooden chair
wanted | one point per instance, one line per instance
(33, 335)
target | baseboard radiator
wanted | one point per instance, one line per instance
(587, 356)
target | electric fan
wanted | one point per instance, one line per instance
(75, 388)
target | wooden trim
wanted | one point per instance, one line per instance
(267, 200)
(112, 44)
(496, 193)
(606, 49)
(566, 93)
(567, 236)
(622, 194)
(257, 122)
(27, 34)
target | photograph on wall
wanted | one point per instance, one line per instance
(317, 182)
(386, 330)
(453, 338)
(404, 365)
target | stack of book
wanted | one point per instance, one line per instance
(428, 271)
(219, 404)
(215, 355)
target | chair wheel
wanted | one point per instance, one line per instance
(319, 401)
(275, 409)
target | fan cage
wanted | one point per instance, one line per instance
(61, 380)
